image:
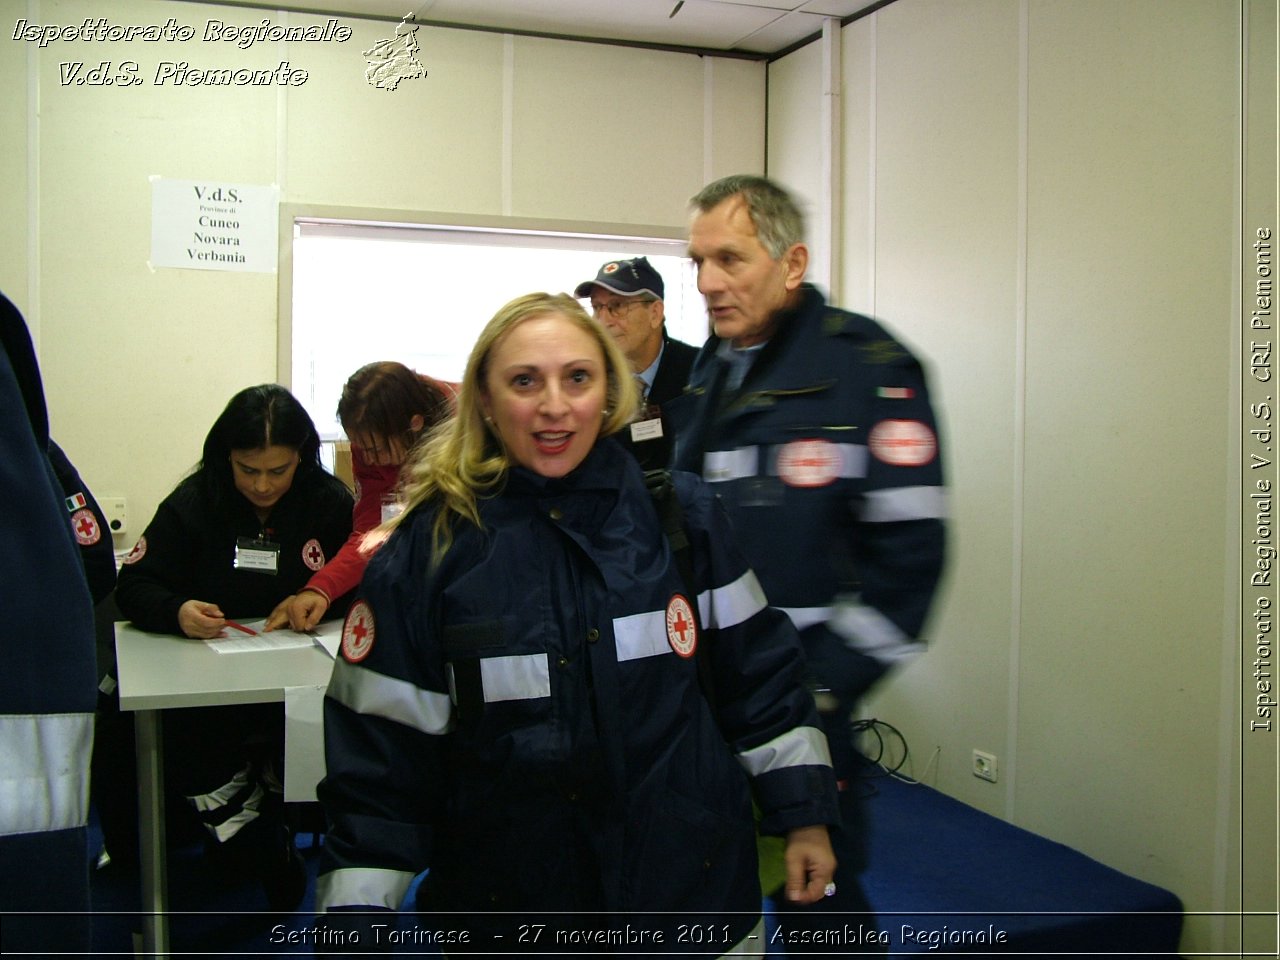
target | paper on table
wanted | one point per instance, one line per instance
(303, 742)
(232, 640)
(327, 635)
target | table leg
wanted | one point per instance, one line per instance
(155, 881)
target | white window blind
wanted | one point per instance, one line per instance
(365, 291)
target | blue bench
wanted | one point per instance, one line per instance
(946, 877)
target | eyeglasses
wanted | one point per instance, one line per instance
(615, 308)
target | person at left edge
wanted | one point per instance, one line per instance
(92, 535)
(47, 679)
(257, 517)
(518, 704)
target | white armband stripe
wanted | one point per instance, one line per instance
(849, 460)
(375, 695)
(798, 747)
(362, 887)
(645, 634)
(904, 503)
(870, 632)
(807, 616)
(44, 772)
(732, 604)
(721, 465)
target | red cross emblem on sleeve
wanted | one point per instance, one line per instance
(357, 632)
(902, 443)
(138, 552)
(85, 526)
(809, 463)
(313, 554)
(682, 628)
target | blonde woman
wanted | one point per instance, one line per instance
(517, 705)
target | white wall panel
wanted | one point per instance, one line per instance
(138, 362)
(1040, 197)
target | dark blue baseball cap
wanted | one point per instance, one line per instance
(628, 278)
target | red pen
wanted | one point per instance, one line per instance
(241, 627)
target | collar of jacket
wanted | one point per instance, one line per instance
(599, 471)
(773, 374)
(582, 504)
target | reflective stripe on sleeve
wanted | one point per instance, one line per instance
(645, 634)
(807, 616)
(376, 695)
(362, 887)
(905, 503)
(721, 465)
(870, 632)
(44, 772)
(732, 604)
(850, 459)
(526, 677)
(798, 747)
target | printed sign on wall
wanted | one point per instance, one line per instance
(208, 225)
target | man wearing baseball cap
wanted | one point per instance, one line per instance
(626, 298)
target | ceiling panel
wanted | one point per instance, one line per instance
(778, 6)
(834, 8)
(699, 23)
(754, 26)
(786, 30)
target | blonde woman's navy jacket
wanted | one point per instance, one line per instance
(519, 719)
(827, 459)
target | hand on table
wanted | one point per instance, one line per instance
(200, 620)
(302, 611)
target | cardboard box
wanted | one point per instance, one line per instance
(342, 464)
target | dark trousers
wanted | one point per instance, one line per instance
(204, 747)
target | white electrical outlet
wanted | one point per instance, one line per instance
(113, 508)
(984, 766)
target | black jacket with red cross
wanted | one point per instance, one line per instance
(526, 719)
(188, 551)
(828, 461)
(88, 526)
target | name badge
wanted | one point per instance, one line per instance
(258, 556)
(646, 430)
(392, 506)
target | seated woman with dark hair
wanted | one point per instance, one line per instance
(246, 530)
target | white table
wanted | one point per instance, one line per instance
(161, 672)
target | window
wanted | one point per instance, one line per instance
(364, 291)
